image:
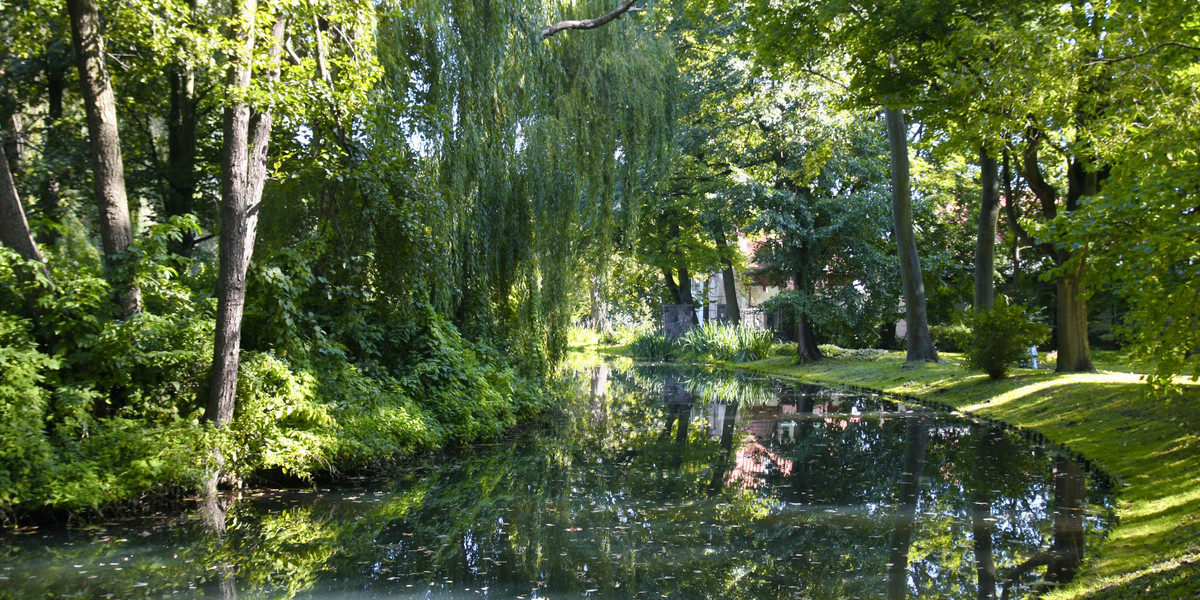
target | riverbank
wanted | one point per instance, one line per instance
(1152, 447)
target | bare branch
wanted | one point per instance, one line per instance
(1150, 50)
(626, 6)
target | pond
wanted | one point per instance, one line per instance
(651, 483)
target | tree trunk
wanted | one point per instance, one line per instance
(181, 148)
(1011, 211)
(108, 170)
(985, 240)
(685, 292)
(920, 344)
(916, 438)
(887, 335)
(10, 140)
(14, 228)
(669, 281)
(1071, 318)
(806, 339)
(599, 308)
(243, 174)
(57, 65)
(1074, 353)
(732, 311)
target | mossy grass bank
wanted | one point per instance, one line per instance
(1151, 446)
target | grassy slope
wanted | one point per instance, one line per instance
(1152, 447)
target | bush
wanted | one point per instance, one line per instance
(737, 343)
(954, 337)
(1001, 337)
(853, 354)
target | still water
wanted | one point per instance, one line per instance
(652, 483)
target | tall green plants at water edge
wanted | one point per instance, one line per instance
(1002, 336)
(654, 346)
(736, 343)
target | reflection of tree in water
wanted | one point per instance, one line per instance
(1066, 546)
(634, 493)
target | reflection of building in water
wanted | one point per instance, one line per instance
(753, 460)
(777, 422)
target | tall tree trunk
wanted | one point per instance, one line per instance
(1010, 210)
(599, 308)
(920, 344)
(56, 67)
(10, 139)
(732, 311)
(985, 240)
(108, 170)
(181, 148)
(243, 174)
(916, 439)
(1074, 351)
(1071, 318)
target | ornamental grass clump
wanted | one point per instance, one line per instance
(1001, 338)
(735, 343)
(654, 346)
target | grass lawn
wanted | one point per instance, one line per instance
(1152, 447)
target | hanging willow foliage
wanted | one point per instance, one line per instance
(524, 156)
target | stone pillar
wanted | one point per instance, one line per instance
(677, 320)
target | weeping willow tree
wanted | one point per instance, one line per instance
(526, 157)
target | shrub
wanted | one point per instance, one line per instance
(1001, 336)
(953, 337)
(853, 354)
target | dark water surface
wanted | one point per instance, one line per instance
(654, 483)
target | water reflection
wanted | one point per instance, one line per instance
(653, 483)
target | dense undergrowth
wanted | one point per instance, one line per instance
(97, 412)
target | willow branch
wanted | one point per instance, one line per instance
(626, 6)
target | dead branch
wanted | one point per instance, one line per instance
(626, 6)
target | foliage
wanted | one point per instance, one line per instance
(853, 354)
(654, 346)
(1001, 337)
(622, 334)
(954, 336)
(734, 343)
